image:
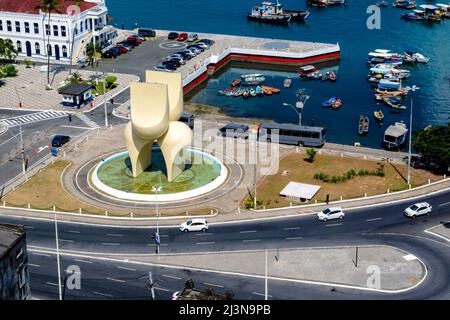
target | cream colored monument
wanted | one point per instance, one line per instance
(156, 106)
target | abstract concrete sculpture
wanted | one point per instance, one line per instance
(156, 106)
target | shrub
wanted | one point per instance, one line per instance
(110, 82)
(379, 172)
(27, 63)
(311, 152)
(9, 71)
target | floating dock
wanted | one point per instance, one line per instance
(228, 48)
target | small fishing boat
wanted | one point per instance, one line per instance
(333, 76)
(306, 71)
(326, 76)
(378, 115)
(259, 91)
(405, 4)
(416, 15)
(246, 94)
(395, 135)
(253, 92)
(317, 3)
(329, 102)
(251, 75)
(287, 83)
(337, 104)
(394, 102)
(412, 56)
(236, 82)
(363, 125)
(382, 4)
(253, 81)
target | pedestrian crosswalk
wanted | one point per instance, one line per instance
(33, 117)
(87, 121)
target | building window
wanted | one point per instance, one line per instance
(55, 31)
(36, 28)
(1, 25)
(8, 26)
(19, 46)
(17, 26)
(47, 29)
(37, 48)
(86, 24)
(64, 51)
(49, 50)
(27, 27)
(63, 31)
(81, 27)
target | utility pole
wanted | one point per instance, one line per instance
(157, 189)
(57, 259)
(412, 89)
(104, 101)
(22, 148)
(255, 171)
(266, 288)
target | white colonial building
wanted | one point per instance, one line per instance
(27, 26)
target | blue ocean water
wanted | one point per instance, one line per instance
(345, 25)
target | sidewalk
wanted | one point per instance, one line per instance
(397, 269)
(28, 87)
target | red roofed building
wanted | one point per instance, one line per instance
(27, 25)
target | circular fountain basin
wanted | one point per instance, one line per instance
(204, 173)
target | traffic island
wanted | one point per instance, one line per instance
(376, 268)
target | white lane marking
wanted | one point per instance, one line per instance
(294, 238)
(73, 231)
(41, 254)
(114, 234)
(29, 227)
(52, 284)
(170, 277)
(211, 242)
(409, 257)
(103, 294)
(161, 289)
(374, 219)
(333, 225)
(204, 234)
(65, 240)
(76, 127)
(125, 268)
(213, 285)
(34, 265)
(261, 294)
(154, 245)
(110, 244)
(292, 228)
(163, 235)
(83, 261)
(443, 204)
(115, 280)
(251, 240)
(248, 231)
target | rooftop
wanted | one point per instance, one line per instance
(75, 89)
(9, 234)
(32, 6)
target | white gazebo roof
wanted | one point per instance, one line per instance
(300, 190)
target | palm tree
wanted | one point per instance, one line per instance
(77, 3)
(48, 6)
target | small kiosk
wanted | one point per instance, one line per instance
(76, 95)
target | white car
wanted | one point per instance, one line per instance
(194, 225)
(418, 209)
(330, 214)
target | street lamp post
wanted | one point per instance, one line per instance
(298, 107)
(104, 101)
(156, 189)
(22, 148)
(412, 89)
(58, 263)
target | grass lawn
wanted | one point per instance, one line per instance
(44, 190)
(300, 170)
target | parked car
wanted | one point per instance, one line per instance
(418, 209)
(192, 37)
(193, 46)
(184, 55)
(330, 214)
(126, 46)
(195, 51)
(202, 45)
(207, 41)
(234, 130)
(163, 68)
(146, 33)
(109, 54)
(170, 65)
(173, 35)
(194, 225)
(182, 37)
(174, 61)
(60, 140)
(115, 50)
(134, 39)
(175, 57)
(192, 53)
(121, 49)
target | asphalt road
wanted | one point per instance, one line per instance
(375, 225)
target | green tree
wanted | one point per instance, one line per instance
(93, 54)
(7, 49)
(434, 142)
(49, 6)
(9, 71)
(311, 153)
(75, 78)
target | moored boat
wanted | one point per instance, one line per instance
(287, 83)
(274, 13)
(306, 71)
(329, 102)
(337, 104)
(378, 115)
(333, 76)
(395, 135)
(236, 82)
